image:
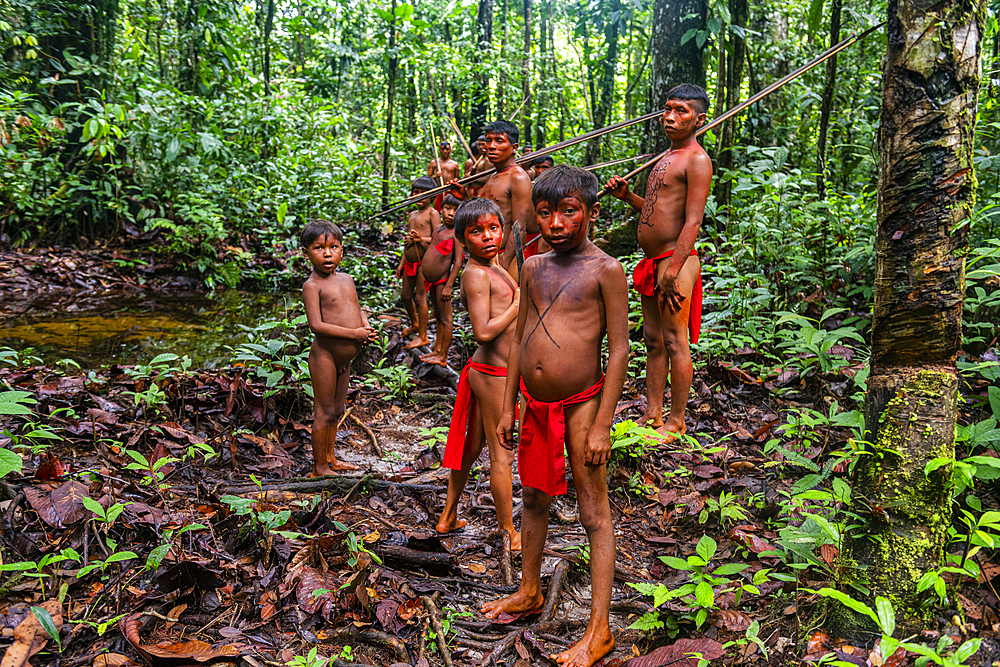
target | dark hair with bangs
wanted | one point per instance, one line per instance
(471, 211)
(317, 228)
(451, 200)
(562, 181)
(423, 183)
(503, 127)
(543, 159)
(690, 92)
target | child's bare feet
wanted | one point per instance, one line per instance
(512, 604)
(337, 465)
(671, 432)
(651, 421)
(417, 342)
(438, 360)
(412, 329)
(594, 645)
(428, 356)
(321, 471)
(448, 524)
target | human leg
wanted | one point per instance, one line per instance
(429, 357)
(475, 438)
(323, 372)
(408, 287)
(420, 304)
(489, 391)
(339, 407)
(534, 528)
(674, 328)
(656, 362)
(445, 324)
(595, 514)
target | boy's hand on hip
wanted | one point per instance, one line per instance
(505, 430)
(598, 445)
(669, 295)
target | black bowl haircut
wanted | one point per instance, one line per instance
(690, 92)
(562, 181)
(473, 210)
(317, 228)
(503, 127)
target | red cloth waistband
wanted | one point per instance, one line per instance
(540, 459)
(530, 249)
(431, 285)
(644, 282)
(465, 401)
(410, 268)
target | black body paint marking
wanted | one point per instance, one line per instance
(655, 178)
(541, 317)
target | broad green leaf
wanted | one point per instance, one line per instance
(704, 594)
(676, 563)
(45, 620)
(995, 400)
(706, 548)
(886, 615)
(120, 556)
(163, 358)
(847, 600)
(93, 506)
(9, 462)
(968, 649)
(729, 568)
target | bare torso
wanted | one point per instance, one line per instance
(435, 265)
(664, 209)
(449, 169)
(338, 301)
(566, 323)
(422, 222)
(502, 288)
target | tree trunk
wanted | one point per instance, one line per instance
(501, 80)
(827, 105)
(739, 13)
(542, 69)
(268, 26)
(390, 101)
(603, 109)
(926, 186)
(673, 63)
(526, 90)
(481, 107)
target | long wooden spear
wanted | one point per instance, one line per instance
(454, 126)
(437, 159)
(601, 165)
(587, 136)
(829, 53)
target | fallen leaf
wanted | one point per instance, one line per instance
(51, 468)
(829, 553)
(817, 642)
(114, 660)
(680, 653)
(730, 619)
(193, 649)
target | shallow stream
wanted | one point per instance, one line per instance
(95, 329)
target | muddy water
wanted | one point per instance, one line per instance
(100, 328)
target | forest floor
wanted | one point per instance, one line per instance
(165, 515)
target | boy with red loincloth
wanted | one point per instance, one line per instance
(669, 279)
(442, 169)
(491, 296)
(420, 225)
(340, 328)
(510, 188)
(571, 298)
(442, 262)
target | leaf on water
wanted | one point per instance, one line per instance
(680, 653)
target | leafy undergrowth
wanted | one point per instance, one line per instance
(159, 515)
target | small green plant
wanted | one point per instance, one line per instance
(347, 653)
(312, 659)
(727, 507)
(436, 435)
(261, 521)
(44, 619)
(699, 595)
(395, 380)
(811, 346)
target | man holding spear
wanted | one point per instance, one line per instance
(669, 279)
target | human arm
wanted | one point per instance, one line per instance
(617, 187)
(614, 292)
(477, 295)
(457, 257)
(699, 182)
(457, 190)
(506, 427)
(314, 314)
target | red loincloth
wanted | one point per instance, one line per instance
(530, 249)
(410, 268)
(644, 282)
(540, 459)
(431, 285)
(465, 401)
(445, 247)
(437, 202)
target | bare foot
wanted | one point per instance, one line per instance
(512, 604)
(592, 647)
(652, 421)
(427, 357)
(515, 540)
(440, 361)
(321, 471)
(337, 465)
(449, 525)
(417, 342)
(671, 433)
(408, 330)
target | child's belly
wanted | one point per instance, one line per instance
(412, 253)
(342, 350)
(436, 266)
(552, 376)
